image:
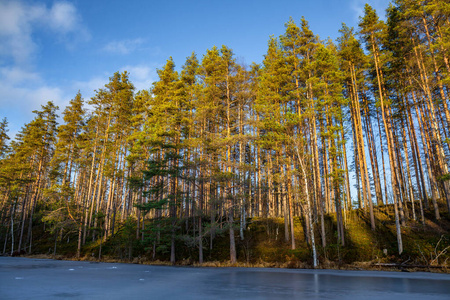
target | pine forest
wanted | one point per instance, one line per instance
(328, 152)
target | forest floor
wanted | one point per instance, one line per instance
(426, 246)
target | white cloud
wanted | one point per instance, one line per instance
(16, 75)
(15, 30)
(142, 76)
(19, 20)
(63, 17)
(22, 89)
(87, 88)
(28, 98)
(123, 46)
(18, 101)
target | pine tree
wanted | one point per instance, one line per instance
(193, 155)
(329, 91)
(3, 138)
(35, 148)
(112, 113)
(66, 149)
(165, 128)
(62, 165)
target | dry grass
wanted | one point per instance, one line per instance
(46, 256)
(327, 265)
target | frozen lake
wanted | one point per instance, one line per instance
(24, 278)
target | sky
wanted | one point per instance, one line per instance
(50, 50)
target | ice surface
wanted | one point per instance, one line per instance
(49, 279)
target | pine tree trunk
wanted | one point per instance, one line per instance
(428, 158)
(33, 205)
(291, 217)
(362, 156)
(408, 173)
(373, 154)
(438, 150)
(308, 203)
(391, 152)
(417, 163)
(382, 159)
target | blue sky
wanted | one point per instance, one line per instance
(51, 49)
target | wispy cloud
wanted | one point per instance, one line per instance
(22, 89)
(16, 29)
(16, 75)
(64, 19)
(124, 46)
(88, 87)
(17, 100)
(19, 20)
(142, 76)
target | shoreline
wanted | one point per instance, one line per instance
(358, 266)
